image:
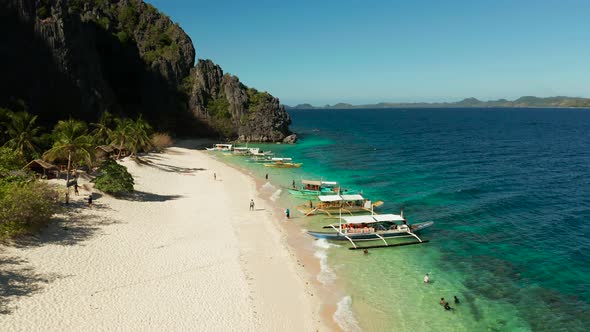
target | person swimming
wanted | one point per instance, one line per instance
(447, 306)
(426, 279)
(442, 301)
(456, 299)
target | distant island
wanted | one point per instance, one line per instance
(526, 101)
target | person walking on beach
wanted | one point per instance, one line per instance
(426, 279)
(294, 184)
(266, 176)
(90, 200)
(251, 205)
(76, 189)
(214, 176)
(287, 213)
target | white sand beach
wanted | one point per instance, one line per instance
(185, 253)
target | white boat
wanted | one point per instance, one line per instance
(377, 227)
(349, 204)
(221, 147)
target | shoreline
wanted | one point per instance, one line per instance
(146, 263)
(301, 247)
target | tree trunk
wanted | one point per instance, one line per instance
(68, 176)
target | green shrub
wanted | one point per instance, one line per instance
(25, 207)
(10, 160)
(114, 179)
(123, 37)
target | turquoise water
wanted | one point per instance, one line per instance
(509, 191)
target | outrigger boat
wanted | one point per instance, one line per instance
(377, 227)
(282, 163)
(349, 204)
(312, 188)
(221, 147)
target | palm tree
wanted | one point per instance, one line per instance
(133, 135)
(139, 139)
(22, 132)
(102, 130)
(72, 142)
(119, 136)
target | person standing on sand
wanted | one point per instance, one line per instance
(266, 176)
(76, 188)
(214, 176)
(287, 213)
(90, 200)
(251, 205)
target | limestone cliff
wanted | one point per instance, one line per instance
(234, 109)
(81, 57)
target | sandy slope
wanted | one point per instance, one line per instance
(184, 254)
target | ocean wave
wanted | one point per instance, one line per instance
(276, 195)
(326, 275)
(344, 316)
(268, 187)
(324, 244)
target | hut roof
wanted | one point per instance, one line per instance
(106, 148)
(41, 163)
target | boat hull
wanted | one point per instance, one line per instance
(333, 236)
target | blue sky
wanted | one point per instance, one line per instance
(399, 50)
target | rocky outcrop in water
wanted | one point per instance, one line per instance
(82, 57)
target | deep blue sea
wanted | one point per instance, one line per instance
(508, 190)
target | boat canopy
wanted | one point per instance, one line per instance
(337, 198)
(241, 148)
(281, 159)
(312, 182)
(372, 218)
(330, 183)
(330, 198)
(352, 197)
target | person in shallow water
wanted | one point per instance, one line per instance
(447, 306)
(456, 299)
(426, 279)
(442, 301)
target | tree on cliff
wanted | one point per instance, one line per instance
(22, 133)
(72, 142)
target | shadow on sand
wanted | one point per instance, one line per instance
(18, 278)
(147, 161)
(142, 196)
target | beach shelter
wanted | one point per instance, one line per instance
(45, 169)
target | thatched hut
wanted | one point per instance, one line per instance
(109, 151)
(43, 168)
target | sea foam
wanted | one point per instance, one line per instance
(326, 275)
(276, 195)
(344, 316)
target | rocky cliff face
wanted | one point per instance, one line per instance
(82, 57)
(234, 109)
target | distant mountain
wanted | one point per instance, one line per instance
(526, 101)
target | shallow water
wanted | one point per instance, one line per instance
(509, 191)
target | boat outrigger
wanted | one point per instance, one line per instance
(377, 227)
(312, 188)
(349, 204)
(282, 163)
